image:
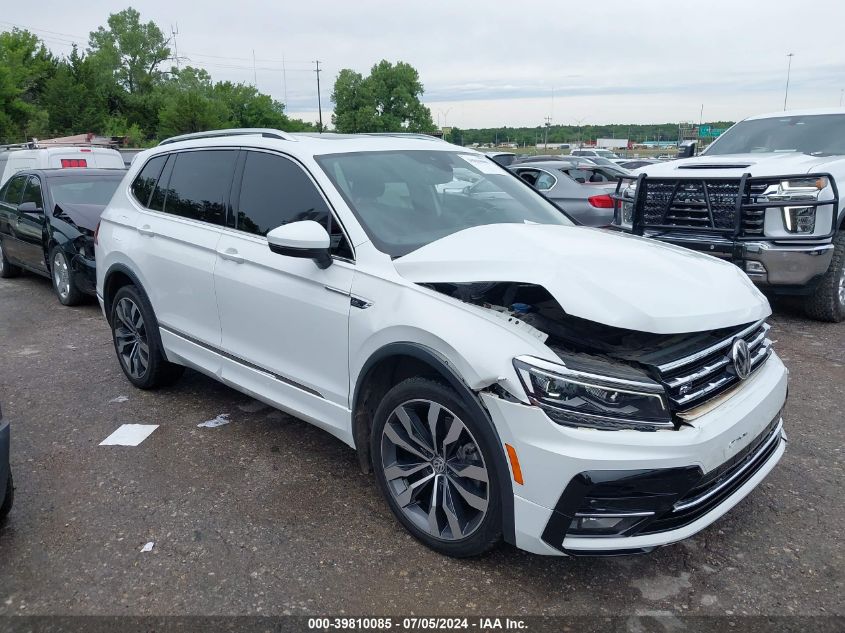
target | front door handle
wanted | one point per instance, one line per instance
(146, 230)
(231, 254)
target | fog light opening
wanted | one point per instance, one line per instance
(754, 268)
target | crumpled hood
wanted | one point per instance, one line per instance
(84, 216)
(734, 165)
(610, 278)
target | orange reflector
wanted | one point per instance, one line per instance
(517, 471)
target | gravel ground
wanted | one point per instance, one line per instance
(268, 515)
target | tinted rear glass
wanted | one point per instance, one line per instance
(146, 180)
(199, 185)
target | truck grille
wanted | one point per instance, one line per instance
(726, 207)
(691, 203)
(695, 379)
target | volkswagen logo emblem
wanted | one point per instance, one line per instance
(741, 358)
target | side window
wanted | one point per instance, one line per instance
(199, 185)
(146, 179)
(14, 191)
(276, 191)
(32, 193)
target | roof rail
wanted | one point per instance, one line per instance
(244, 131)
(419, 135)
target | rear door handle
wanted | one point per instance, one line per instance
(146, 230)
(231, 254)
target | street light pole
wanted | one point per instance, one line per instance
(788, 70)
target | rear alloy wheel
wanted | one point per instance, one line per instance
(827, 303)
(63, 283)
(134, 330)
(7, 270)
(435, 469)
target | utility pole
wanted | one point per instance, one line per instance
(319, 100)
(254, 73)
(173, 34)
(548, 125)
(788, 69)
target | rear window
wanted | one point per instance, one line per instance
(78, 190)
(147, 178)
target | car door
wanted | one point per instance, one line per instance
(11, 197)
(284, 321)
(29, 226)
(178, 230)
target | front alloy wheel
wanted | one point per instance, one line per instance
(434, 470)
(131, 340)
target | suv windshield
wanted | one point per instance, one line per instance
(407, 199)
(817, 135)
(84, 190)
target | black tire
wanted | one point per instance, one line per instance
(60, 273)
(148, 370)
(8, 498)
(7, 270)
(827, 303)
(477, 434)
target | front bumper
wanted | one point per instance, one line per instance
(553, 458)
(784, 265)
(84, 271)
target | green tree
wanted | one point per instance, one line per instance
(25, 68)
(130, 50)
(247, 107)
(355, 105)
(188, 104)
(388, 100)
(77, 96)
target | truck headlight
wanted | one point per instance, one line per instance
(580, 399)
(799, 219)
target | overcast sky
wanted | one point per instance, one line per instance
(505, 62)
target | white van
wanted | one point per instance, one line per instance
(15, 160)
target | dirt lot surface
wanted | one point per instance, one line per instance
(268, 515)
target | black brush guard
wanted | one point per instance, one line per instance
(723, 208)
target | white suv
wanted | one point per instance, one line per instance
(505, 374)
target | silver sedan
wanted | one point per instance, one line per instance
(582, 190)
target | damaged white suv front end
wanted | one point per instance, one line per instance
(635, 383)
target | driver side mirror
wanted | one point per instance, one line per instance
(30, 207)
(305, 239)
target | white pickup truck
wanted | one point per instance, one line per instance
(765, 196)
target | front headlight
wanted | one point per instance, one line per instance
(580, 399)
(798, 218)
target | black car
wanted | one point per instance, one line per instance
(7, 489)
(47, 223)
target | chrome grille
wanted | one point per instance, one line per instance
(695, 379)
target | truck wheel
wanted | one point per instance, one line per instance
(827, 303)
(7, 270)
